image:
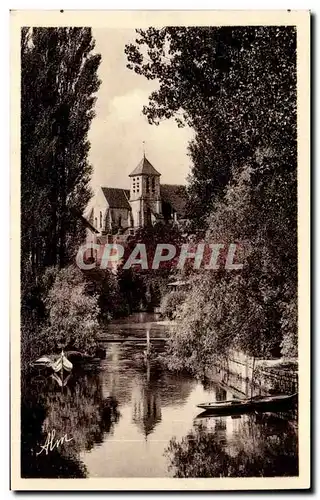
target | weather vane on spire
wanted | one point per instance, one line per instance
(144, 148)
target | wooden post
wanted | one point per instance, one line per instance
(253, 363)
(148, 340)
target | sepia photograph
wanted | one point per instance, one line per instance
(160, 311)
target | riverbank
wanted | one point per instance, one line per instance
(247, 375)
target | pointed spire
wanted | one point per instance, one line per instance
(144, 168)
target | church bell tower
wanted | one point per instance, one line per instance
(145, 194)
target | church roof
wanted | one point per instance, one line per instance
(117, 197)
(144, 168)
(173, 194)
(176, 196)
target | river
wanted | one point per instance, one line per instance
(126, 419)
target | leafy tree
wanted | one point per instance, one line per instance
(235, 86)
(58, 84)
(250, 309)
(108, 288)
(289, 321)
(170, 302)
(72, 314)
(146, 287)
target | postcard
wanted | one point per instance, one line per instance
(160, 275)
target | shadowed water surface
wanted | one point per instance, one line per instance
(127, 419)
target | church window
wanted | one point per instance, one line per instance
(100, 219)
(148, 184)
(153, 184)
(96, 221)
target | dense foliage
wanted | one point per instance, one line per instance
(170, 302)
(236, 87)
(145, 288)
(58, 85)
(72, 318)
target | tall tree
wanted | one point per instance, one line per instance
(58, 85)
(235, 86)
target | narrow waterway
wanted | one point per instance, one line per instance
(127, 418)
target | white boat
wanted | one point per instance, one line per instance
(62, 363)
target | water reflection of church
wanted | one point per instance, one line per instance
(146, 408)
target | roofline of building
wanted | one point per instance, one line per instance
(148, 175)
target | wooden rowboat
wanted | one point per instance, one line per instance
(62, 363)
(257, 403)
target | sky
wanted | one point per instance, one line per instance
(119, 128)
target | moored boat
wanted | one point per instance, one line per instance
(265, 401)
(257, 403)
(233, 404)
(62, 363)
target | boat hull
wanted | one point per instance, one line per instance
(247, 405)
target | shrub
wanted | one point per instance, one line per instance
(72, 313)
(170, 302)
(106, 287)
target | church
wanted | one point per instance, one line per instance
(117, 211)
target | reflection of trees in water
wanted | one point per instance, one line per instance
(262, 446)
(175, 388)
(78, 411)
(170, 388)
